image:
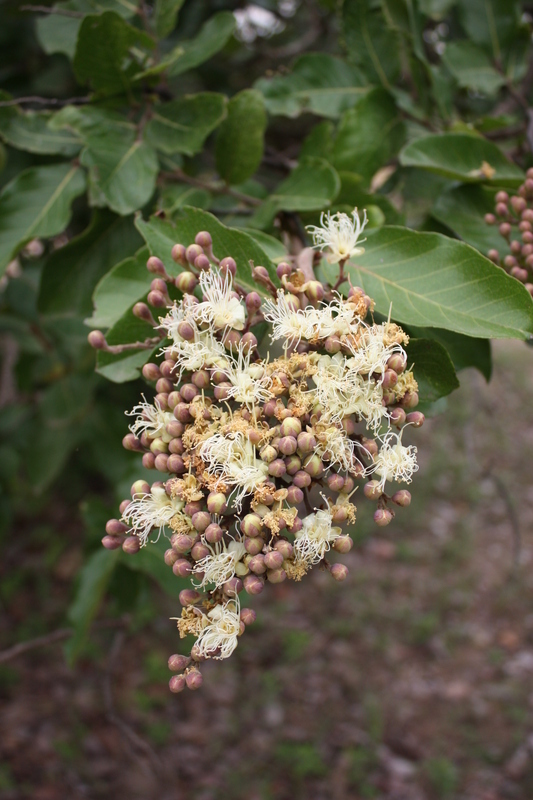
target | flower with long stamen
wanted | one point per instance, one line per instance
(250, 382)
(233, 459)
(220, 307)
(315, 538)
(219, 566)
(218, 639)
(341, 390)
(151, 419)
(202, 349)
(334, 446)
(340, 234)
(289, 323)
(395, 462)
(374, 350)
(153, 510)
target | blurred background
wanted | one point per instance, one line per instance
(411, 680)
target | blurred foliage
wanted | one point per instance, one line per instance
(116, 117)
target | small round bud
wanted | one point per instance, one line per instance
(372, 490)
(253, 302)
(123, 506)
(382, 517)
(248, 615)
(232, 587)
(333, 345)
(199, 551)
(216, 503)
(97, 340)
(203, 238)
(335, 482)
(283, 269)
(186, 282)
(253, 584)
(112, 542)
(494, 256)
(410, 400)
(257, 564)
(293, 465)
(490, 219)
(157, 299)
(287, 445)
(301, 479)
(156, 266)
(201, 520)
(276, 575)
(291, 426)
(306, 442)
(505, 229)
(297, 525)
(249, 341)
(231, 339)
(343, 544)
(170, 557)
(273, 559)
(501, 209)
(151, 372)
(397, 362)
(189, 597)
(502, 197)
(131, 443)
(222, 391)
(402, 498)
(177, 683)
(518, 204)
(251, 525)
(189, 391)
(114, 527)
(277, 468)
(176, 662)
(390, 379)
(520, 274)
(339, 572)
(131, 545)
(193, 507)
(268, 453)
(202, 263)
(148, 461)
(416, 418)
(295, 495)
(315, 291)
(228, 264)
(180, 542)
(285, 548)
(181, 568)
(161, 461)
(178, 254)
(193, 679)
(213, 533)
(253, 545)
(398, 417)
(314, 466)
(164, 385)
(192, 252)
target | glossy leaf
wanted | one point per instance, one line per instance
(370, 43)
(240, 138)
(471, 67)
(71, 273)
(462, 209)
(369, 135)
(57, 33)
(213, 36)
(433, 369)
(464, 351)
(166, 15)
(318, 83)
(160, 236)
(176, 195)
(93, 581)
(119, 289)
(36, 204)
(434, 281)
(29, 130)
(103, 55)
(462, 157)
(183, 125)
(353, 195)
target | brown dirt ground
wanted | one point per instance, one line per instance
(411, 680)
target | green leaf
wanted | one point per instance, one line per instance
(274, 249)
(29, 130)
(353, 195)
(126, 366)
(311, 186)
(57, 33)
(36, 204)
(491, 23)
(318, 83)
(240, 138)
(436, 9)
(149, 560)
(370, 43)
(71, 273)
(434, 281)
(104, 52)
(181, 194)
(368, 135)
(464, 351)
(433, 369)
(165, 16)
(183, 125)
(93, 582)
(160, 236)
(462, 210)
(471, 67)
(462, 157)
(213, 36)
(119, 289)
(319, 141)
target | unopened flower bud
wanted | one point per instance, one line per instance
(257, 564)
(199, 551)
(189, 597)
(402, 498)
(170, 557)
(253, 584)
(315, 291)
(151, 372)
(340, 514)
(301, 479)
(520, 274)
(181, 568)
(382, 517)
(216, 503)
(416, 418)
(112, 542)
(283, 269)
(232, 587)
(502, 197)
(490, 219)
(186, 282)
(277, 468)
(97, 340)
(273, 559)
(180, 542)
(177, 662)
(276, 575)
(114, 527)
(372, 490)
(339, 572)
(253, 545)
(231, 339)
(343, 544)
(123, 506)
(398, 417)
(130, 442)
(335, 482)
(148, 461)
(505, 229)
(295, 495)
(306, 442)
(193, 679)
(179, 255)
(287, 445)
(201, 520)
(157, 299)
(248, 615)
(285, 548)
(409, 400)
(293, 465)
(131, 545)
(177, 683)
(397, 362)
(268, 453)
(314, 466)
(252, 525)
(228, 264)
(202, 263)
(192, 252)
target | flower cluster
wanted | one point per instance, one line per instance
(514, 217)
(260, 455)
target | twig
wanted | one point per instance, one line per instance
(216, 188)
(45, 101)
(64, 12)
(52, 638)
(133, 737)
(116, 349)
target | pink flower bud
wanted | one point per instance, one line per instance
(228, 264)
(287, 445)
(231, 339)
(277, 468)
(276, 575)
(199, 551)
(314, 466)
(216, 503)
(177, 684)
(97, 340)
(402, 498)
(306, 442)
(201, 520)
(148, 461)
(170, 557)
(283, 269)
(248, 615)
(339, 572)
(161, 461)
(181, 568)
(189, 597)
(398, 417)
(257, 564)
(343, 544)
(285, 548)
(273, 559)
(112, 542)
(186, 282)
(114, 527)
(232, 587)
(157, 299)
(251, 525)
(294, 495)
(192, 252)
(176, 662)
(180, 542)
(249, 341)
(213, 533)
(193, 679)
(131, 545)
(178, 254)
(253, 302)
(268, 453)
(175, 463)
(253, 584)
(383, 517)
(372, 490)
(253, 545)
(301, 479)
(335, 482)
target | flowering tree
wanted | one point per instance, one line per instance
(287, 358)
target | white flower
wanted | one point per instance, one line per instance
(153, 510)
(315, 537)
(394, 462)
(203, 350)
(334, 446)
(220, 308)
(151, 419)
(233, 459)
(218, 639)
(288, 323)
(219, 566)
(372, 354)
(250, 383)
(340, 234)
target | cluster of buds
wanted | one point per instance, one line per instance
(514, 217)
(259, 455)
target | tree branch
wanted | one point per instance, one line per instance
(45, 101)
